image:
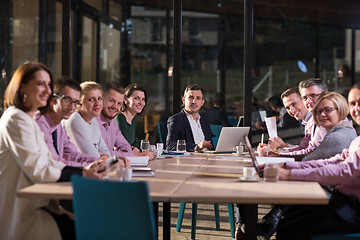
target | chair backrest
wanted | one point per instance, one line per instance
(162, 128)
(232, 120)
(112, 210)
(150, 122)
(216, 129)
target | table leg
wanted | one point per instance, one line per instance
(250, 220)
(156, 213)
(166, 220)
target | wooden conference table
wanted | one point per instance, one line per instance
(205, 178)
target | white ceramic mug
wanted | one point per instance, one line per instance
(126, 174)
(249, 172)
(239, 149)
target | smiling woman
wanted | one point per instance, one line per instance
(330, 111)
(25, 160)
(82, 126)
(134, 102)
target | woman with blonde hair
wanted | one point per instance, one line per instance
(25, 160)
(82, 126)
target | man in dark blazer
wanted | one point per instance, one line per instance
(188, 124)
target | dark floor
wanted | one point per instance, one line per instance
(205, 222)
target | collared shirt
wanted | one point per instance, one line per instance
(68, 152)
(113, 137)
(342, 170)
(196, 129)
(316, 135)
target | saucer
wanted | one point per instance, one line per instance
(238, 154)
(243, 179)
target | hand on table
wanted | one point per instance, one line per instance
(103, 156)
(263, 150)
(277, 142)
(123, 162)
(135, 150)
(284, 174)
(146, 153)
(204, 144)
(94, 170)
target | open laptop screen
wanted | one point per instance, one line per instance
(253, 158)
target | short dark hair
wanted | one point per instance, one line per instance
(65, 81)
(194, 87)
(314, 82)
(276, 101)
(59, 85)
(23, 75)
(219, 99)
(290, 91)
(130, 89)
(356, 86)
(112, 85)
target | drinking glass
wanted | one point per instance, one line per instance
(152, 149)
(181, 146)
(144, 145)
(159, 149)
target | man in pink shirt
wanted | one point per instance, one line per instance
(113, 98)
(310, 90)
(62, 104)
(342, 215)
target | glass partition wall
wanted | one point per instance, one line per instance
(133, 41)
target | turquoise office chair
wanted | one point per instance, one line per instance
(232, 120)
(353, 236)
(112, 210)
(162, 128)
(216, 129)
(194, 216)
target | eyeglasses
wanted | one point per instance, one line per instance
(310, 96)
(68, 100)
(326, 110)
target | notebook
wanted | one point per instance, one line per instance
(230, 137)
(138, 161)
(262, 160)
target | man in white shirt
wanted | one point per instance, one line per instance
(188, 124)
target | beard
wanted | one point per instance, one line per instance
(107, 115)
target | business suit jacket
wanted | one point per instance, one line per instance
(179, 129)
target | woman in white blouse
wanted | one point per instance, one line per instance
(82, 126)
(25, 159)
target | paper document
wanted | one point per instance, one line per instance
(263, 160)
(271, 126)
(140, 161)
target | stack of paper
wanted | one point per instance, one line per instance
(141, 161)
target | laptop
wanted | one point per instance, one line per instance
(253, 157)
(230, 137)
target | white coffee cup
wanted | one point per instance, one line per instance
(249, 172)
(239, 149)
(126, 174)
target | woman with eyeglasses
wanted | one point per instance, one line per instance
(330, 112)
(82, 126)
(134, 102)
(25, 160)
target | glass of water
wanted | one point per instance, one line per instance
(181, 146)
(144, 145)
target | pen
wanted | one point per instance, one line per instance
(262, 139)
(267, 150)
